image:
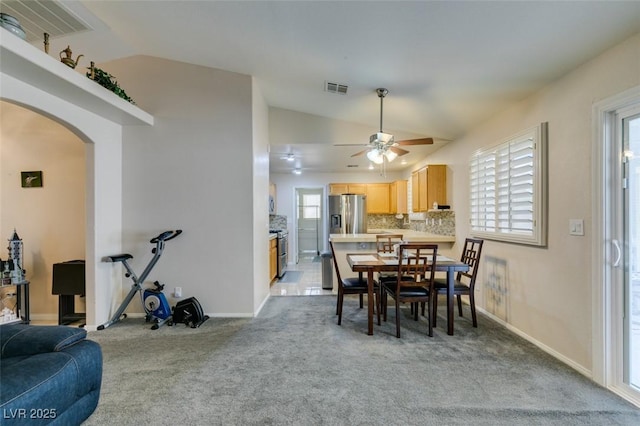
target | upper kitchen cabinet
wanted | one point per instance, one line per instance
(398, 197)
(428, 186)
(347, 188)
(382, 198)
(272, 198)
(378, 200)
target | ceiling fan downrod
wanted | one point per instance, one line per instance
(382, 92)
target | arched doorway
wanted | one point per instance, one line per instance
(50, 218)
(77, 111)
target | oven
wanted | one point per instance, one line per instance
(283, 249)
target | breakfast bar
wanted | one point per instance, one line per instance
(366, 243)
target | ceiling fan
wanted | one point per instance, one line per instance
(382, 146)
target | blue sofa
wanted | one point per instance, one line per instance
(48, 375)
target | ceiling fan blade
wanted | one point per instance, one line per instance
(423, 141)
(398, 151)
(360, 153)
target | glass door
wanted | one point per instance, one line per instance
(630, 124)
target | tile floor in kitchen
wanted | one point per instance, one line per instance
(308, 283)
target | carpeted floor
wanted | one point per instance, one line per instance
(292, 365)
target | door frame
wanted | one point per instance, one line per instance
(606, 336)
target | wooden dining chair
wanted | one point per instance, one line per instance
(414, 282)
(465, 282)
(352, 285)
(385, 243)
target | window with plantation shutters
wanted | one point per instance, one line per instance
(508, 189)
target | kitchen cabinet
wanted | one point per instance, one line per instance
(428, 186)
(338, 188)
(415, 199)
(378, 198)
(398, 197)
(423, 197)
(347, 188)
(273, 259)
(382, 198)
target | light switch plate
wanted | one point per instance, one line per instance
(576, 226)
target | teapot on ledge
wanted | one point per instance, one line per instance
(68, 60)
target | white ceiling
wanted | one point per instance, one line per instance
(448, 65)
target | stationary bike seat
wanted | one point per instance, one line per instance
(120, 257)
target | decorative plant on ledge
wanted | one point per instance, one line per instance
(107, 81)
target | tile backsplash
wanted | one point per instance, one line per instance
(442, 222)
(437, 222)
(386, 221)
(277, 221)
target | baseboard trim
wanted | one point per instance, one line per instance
(579, 368)
(630, 396)
(257, 312)
(43, 317)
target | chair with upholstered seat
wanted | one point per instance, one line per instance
(352, 285)
(386, 244)
(465, 281)
(414, 282)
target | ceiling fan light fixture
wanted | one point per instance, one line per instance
(390, 155)
(297, 171)
(375, 156)
(288, 157)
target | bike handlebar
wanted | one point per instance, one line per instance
(166, 236)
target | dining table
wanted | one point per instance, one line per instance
(370, 263)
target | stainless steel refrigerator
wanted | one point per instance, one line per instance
(347, 214)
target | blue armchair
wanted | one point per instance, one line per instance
(48, 375)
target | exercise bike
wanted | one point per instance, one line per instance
(155, 303)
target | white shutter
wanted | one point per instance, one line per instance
(508, 189)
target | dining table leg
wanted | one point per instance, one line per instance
(370, 301)
(450, 284)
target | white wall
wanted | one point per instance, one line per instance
(260, 116)
(193, 170)
(548, 290)
(51, 219)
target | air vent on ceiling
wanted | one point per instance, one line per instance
(352, 165)
(338, 88)
(37, 17)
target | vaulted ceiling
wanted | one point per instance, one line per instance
(448, 65)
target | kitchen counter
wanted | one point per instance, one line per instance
(407, 234)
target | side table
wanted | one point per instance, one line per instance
(22, 298)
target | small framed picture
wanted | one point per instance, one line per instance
(32, 179)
